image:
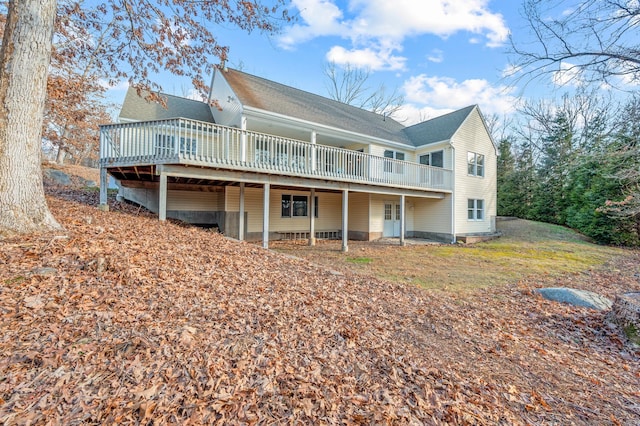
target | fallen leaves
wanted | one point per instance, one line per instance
(146, 322)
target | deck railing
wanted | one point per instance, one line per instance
(184, 141)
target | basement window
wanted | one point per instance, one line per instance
(297, 206)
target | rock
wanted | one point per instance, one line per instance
(572, 296)
(626, 313)
(34, 302)
(44, 271)
(58, 177)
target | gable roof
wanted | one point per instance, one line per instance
(438, 129)
(260, 93)
(136, 108)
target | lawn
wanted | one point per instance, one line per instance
(525, 249)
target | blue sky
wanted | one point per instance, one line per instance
(441, 54)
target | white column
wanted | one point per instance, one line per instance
(265, 217)
(402, 220)
(312, 218)
(345, 220)
(241, 218)
(104, 184)
(313, 151)
(162, 204)
(243, 139)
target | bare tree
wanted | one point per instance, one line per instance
(138, 39)
(350, 85)
(588, 41)
(24, 58)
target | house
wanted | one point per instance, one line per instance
(270, 161)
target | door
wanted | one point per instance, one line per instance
(391, 219)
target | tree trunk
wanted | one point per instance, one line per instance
(62, 154)
(24, 62)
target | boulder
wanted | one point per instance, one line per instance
(572, 296)
(626, 312)
(57, 177)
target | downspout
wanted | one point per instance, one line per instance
(453, 194)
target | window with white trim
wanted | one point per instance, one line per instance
(391, 167)
(188, 146)
(166, 145)
(475, 209)
(475, 164)
(435, 159)
(297, 206)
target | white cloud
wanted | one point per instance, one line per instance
(319, 17)
(567, 75)
(374, 59)
(436, 56)
(373, 24)
(411, 114)
(438, 95)
(511, 70)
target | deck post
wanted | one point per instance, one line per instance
(241, 218)
(104, 183)
(402, 220)
(265, 217)
(345, 220)
(243, 139)
(312, 217)
(313, 151)
(162, 204)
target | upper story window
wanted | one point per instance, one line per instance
(435, 159)
(475, 164)
(166, 145)
(388, 166)
(188, 146)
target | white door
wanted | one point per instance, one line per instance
(391, 219)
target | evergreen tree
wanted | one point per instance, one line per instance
(508, 190)
(551, 199)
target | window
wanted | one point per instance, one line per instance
(262, 153)
(166, 145)
(475, 209)
(387, 211)
(435, 159)
(475, 164)
(389, 166)
(188, 146)
(297, 206)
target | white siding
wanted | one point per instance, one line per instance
(253, 201)
(359, 212)
(329, 210)
(432, 215)
(229, 112)
(473, 137)
(376, 212)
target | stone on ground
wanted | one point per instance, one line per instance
(572, 296)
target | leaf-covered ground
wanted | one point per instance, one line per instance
(126, 320)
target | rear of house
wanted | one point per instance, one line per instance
(269, 161)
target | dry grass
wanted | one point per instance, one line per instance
(525, 249)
